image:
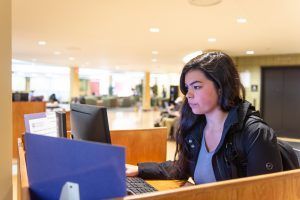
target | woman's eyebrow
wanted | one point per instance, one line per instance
(192, 83)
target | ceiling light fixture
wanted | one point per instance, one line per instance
(241, 20)
(250, 52)
(204, 2)
(154, 30)
(211, 39)
(190, 56)
(42, 43)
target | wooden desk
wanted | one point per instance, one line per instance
(142, 145)
(162, 185)
(276, 186)
(23, 184)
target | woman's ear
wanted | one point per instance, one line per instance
(219, 92)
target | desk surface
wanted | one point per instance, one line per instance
(161, 185)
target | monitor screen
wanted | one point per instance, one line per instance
(20, 96)
(89, 123)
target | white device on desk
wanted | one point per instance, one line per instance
(70, 191)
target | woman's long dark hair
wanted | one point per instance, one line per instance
(220, 69)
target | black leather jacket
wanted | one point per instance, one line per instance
(258, 140)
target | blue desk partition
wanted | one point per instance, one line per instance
(99, 169)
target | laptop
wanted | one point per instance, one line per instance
(98, 169)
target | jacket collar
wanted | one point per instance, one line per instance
(197, 130)
(236, 118)
(245, 109)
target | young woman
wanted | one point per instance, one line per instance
(213, 113)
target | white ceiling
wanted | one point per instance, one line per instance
(115, 33)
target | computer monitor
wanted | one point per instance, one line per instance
(61, 121)
(89, 123)
(20, 96)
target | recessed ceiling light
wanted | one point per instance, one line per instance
(42, 42)
(155, 52)
(250, 52)
(56, 52)
(204, 2)
(71, 58)
(211, 39)
(190, 56)
(241, 20)
(154, 60)
(154, 30)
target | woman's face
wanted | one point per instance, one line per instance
(202, 95)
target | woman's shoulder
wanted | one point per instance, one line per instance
(249, 119)
(257, 131)
(254, 123)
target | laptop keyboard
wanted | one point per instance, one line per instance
(136, 185)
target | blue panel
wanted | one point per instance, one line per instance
(99, 169)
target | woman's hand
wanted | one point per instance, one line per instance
(186, 184)
(132, 170)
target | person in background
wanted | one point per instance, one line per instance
(164, 92)
(52, 98)
(214, 110)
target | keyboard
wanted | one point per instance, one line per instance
(136, 185)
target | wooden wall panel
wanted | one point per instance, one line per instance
(19, 109)
(142, 145)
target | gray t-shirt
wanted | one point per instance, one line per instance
(204, 172)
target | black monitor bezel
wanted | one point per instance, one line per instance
(99, 112)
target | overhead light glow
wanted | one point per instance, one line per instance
(154, 52)
(250, 52)
(211, 39)
(241, 20)
(56, 52)
(204, 2)
(154, 60)
(190, 56)
(71, 58)
(154, 30)
(42, 43)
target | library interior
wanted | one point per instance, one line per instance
(112, 99)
